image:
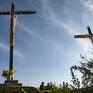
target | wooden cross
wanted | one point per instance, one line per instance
(90, 35)
(13, 14)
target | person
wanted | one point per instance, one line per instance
(42, 86)
(49, 86)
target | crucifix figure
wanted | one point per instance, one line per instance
(13, 14)
(90, 35)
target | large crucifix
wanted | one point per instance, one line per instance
(13, 14)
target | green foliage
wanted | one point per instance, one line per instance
(56, 89)
(75, 80)
(61, 89)
(86, 69)
(66, 88)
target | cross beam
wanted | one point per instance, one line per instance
(82, 36)
(89, 35)
(13, 14)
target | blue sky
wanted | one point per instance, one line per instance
(44, 44)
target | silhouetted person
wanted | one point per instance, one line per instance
(42, 86)
(49, 86)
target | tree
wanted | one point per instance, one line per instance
(86, 69)
(75, 80)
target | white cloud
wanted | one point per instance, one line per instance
(51, 17)
(62, 25)
(30, 31)
(88, 4)
(17, 53)
(87, 13)
(3, 46)
(55, 45)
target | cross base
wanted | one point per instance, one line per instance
(12, 86)
(12, 83)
